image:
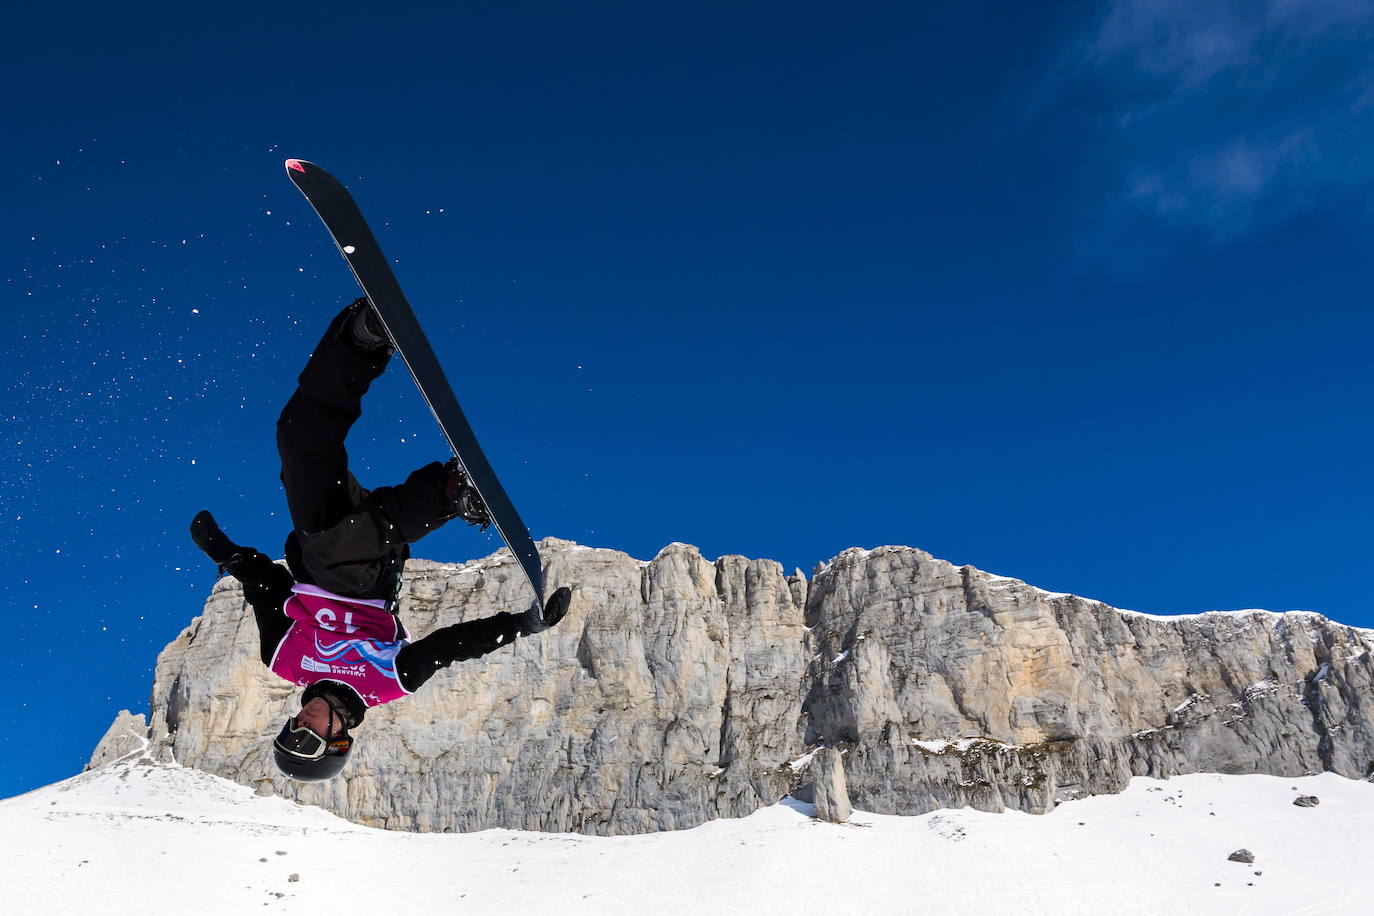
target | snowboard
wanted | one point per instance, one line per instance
(360, 250)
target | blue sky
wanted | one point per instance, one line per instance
(1075, 293)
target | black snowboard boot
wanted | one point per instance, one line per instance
(362, 328)
(216, 545)
(464, 501)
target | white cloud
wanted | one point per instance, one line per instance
(1191, 41)
(1187, 41)
(1228, 115)
(1224, 188)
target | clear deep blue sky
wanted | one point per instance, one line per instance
(1076, 293)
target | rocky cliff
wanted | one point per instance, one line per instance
(680, 690)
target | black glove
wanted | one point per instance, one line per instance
(537, 621)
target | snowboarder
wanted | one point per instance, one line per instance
(329, 624)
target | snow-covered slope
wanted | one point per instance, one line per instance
(147, 839)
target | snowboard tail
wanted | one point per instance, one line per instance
(364, 256)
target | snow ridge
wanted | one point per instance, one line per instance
(147, 838)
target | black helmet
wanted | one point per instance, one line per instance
(307, 756)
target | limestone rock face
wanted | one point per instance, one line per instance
(666, 697)
(830, 792)
(678, 690)
(127, 737)
(1056, 695)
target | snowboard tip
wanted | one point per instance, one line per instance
(295, 164)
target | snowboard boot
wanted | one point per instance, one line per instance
(362, 329)
(215, 544)
(463, 499)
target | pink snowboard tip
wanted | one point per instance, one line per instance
(295, 164)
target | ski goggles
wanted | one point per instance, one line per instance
(304, 742)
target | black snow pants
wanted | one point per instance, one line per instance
(348, 540)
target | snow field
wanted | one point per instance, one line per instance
(151, 839)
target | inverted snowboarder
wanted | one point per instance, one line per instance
(330, 623)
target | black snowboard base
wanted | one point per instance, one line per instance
(359, 248)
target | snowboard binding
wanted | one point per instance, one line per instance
(464, 500)
(363, 329)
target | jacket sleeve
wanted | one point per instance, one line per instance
(418, 662)
(266, 586)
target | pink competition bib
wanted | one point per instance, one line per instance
(349, 640)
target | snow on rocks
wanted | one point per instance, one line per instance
(958, 745)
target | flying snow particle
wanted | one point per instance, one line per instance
(349, 249)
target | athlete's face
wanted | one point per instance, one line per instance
(316, 716)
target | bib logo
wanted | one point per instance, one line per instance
(319, 667)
